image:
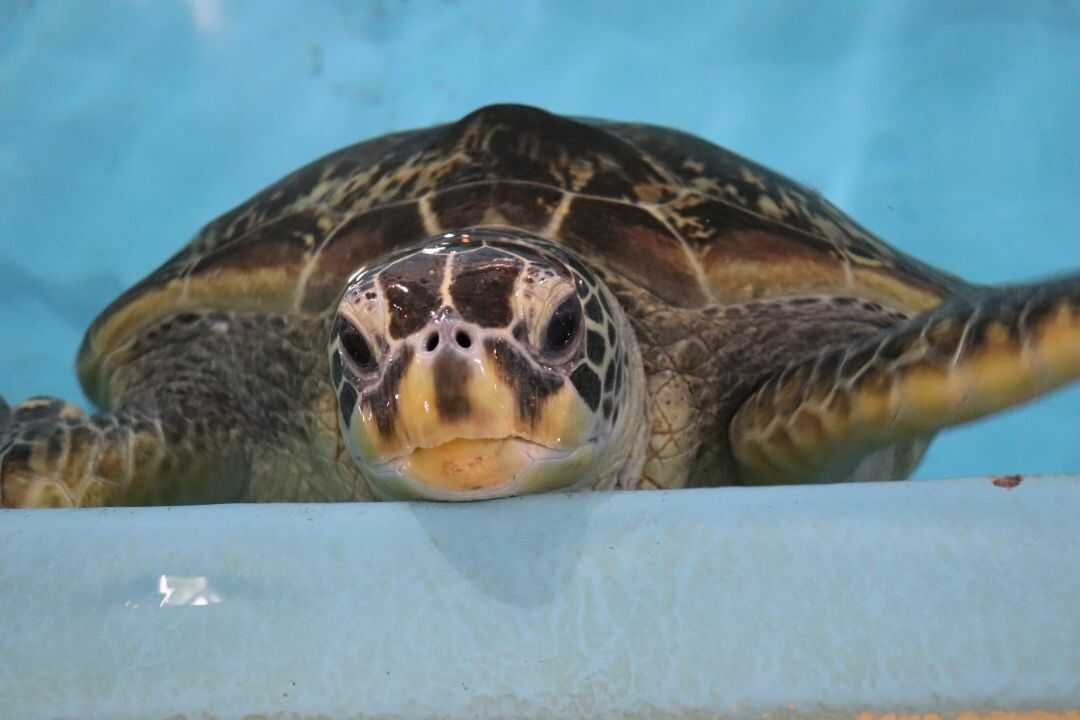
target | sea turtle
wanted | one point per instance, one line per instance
(519, 302)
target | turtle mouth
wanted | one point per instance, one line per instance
(480, 468)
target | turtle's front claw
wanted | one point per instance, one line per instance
(41, 442)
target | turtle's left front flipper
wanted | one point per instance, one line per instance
(819, 419)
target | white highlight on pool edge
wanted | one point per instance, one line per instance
(186, 591)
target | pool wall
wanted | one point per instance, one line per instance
(829, 601)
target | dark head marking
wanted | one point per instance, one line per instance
(482, 285)
(412, 290)
(382, 400)
(594, 345)
(451, 378)
(592, 309)
(335, 368)
(588, 385)
(531, 385)
(347, 402)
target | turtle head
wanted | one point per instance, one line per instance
(482, 364)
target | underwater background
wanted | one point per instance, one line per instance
(948, 128)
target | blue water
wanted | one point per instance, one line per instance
(950, 128)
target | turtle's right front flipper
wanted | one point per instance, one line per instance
(818, 419)
(174, 427)
(200, 407)
(53, 455)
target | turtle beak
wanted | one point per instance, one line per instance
(480, 470)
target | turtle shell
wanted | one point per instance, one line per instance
(688, 221)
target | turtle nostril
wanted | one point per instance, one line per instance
(462, 338)
(432, 341)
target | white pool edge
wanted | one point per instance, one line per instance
(814, 601)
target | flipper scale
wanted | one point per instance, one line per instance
(963, 360)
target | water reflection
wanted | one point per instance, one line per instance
(207, 15)
(184, 591)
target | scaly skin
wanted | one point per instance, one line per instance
(260, 425)
(818, 418)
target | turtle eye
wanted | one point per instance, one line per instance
(563, 326)
(356, 347)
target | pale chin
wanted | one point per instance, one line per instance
(462, 470)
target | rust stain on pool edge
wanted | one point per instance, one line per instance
(1007, 481)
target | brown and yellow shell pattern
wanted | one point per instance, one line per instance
(686, 221)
